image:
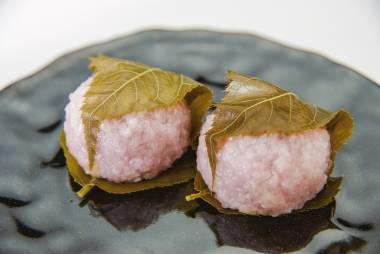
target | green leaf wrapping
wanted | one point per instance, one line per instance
(255, 107)
(119, 87)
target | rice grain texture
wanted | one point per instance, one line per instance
(271, 174)
(132, 148)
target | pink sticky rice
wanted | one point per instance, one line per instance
(132, 148)
(271, 174)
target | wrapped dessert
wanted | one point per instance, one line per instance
(129, 123)
(264, 151)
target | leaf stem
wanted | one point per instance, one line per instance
(86, 188)
(194, 196)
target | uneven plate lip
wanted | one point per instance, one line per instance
(190, 30)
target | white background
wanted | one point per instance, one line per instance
(35, 32)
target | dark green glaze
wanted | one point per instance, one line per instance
(39, 212)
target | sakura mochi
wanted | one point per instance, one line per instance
(132, 148)
(263, 151)
(129, 126)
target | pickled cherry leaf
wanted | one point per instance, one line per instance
(254, 107)
(325, 196)
(181, 171)
(119, 87)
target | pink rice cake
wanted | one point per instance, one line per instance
(271, 174)
(132, 148)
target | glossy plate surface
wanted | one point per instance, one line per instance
(39, 213)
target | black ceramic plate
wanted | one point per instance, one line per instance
(39, 212)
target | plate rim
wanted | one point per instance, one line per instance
(190, 30)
